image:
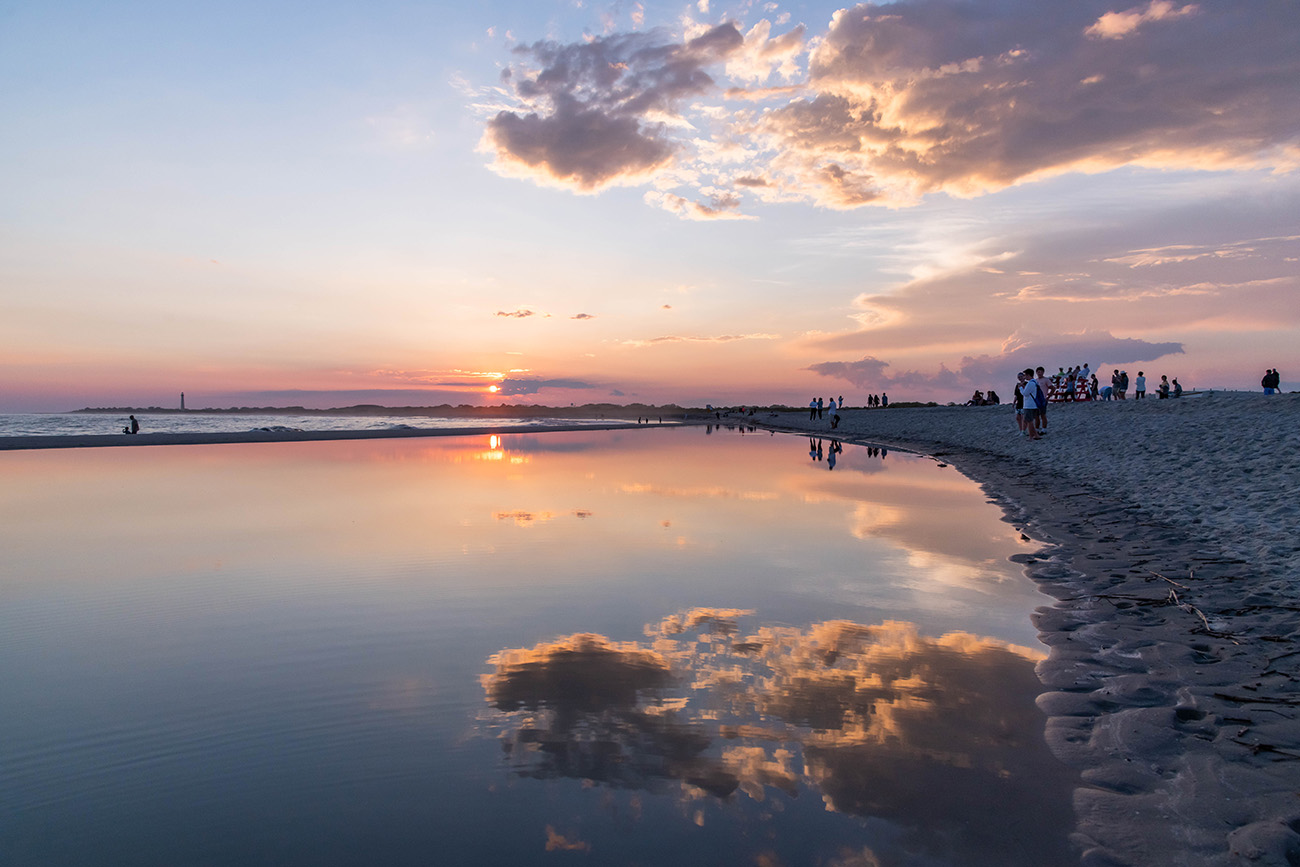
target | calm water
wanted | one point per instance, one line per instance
(648, 647)
(67, 423)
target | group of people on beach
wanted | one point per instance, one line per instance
(816, 407)
(1119, 383)
(982, 399)
(1034, 390)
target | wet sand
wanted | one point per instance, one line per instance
(1171, 544)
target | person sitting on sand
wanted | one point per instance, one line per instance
(993, 399)
(977, 399)
(1163, 391)
(1178, 389)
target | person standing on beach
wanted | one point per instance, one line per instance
(1019, 402)
(884, 401)
(1031, 398)
(1043, 383)
(812, 410)
(1140, 386)
(134, 427)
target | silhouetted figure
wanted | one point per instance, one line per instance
(133, 427)
(884, 401)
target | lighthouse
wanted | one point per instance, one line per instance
(182, 401)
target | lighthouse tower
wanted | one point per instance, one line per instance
(182, 401)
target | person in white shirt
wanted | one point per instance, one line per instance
(1032, 400)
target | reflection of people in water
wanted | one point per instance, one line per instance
(938, 737)
(834, 449)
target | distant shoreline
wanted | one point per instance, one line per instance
(121, 440)
(590, 410)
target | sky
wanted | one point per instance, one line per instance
(565, 201)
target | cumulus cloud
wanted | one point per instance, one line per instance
(1117, 25)
(593, 114)
(932, 96)
(896, 100)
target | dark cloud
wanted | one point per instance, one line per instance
(511, 385)
(582, 316)
(1021, 350)
(592, 109)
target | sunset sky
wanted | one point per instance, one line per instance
(332, 203)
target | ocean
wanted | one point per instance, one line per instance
(73, 423)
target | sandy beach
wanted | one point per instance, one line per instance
(1169, 531)
(1169, 543)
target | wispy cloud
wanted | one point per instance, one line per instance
(521, 313)
(720, 338)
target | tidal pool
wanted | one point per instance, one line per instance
(669, 646)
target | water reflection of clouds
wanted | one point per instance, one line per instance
(939, 737)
